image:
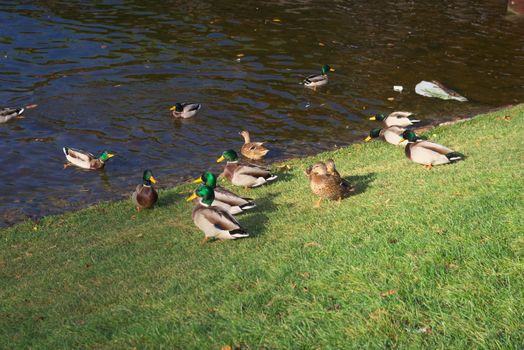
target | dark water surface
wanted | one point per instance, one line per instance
(104, 74)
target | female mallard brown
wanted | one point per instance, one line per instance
(428, 153)
(391, 134)
(402, 119)
(252, 150)
(6, 114)
(233, 203)
(326, 185)
(214, 221)
(84, 159)
(145, 195)
(244, 175)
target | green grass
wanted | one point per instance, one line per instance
(447, 243)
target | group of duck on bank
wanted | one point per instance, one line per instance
(214, 210)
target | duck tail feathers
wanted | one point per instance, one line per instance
(247, 206)
(271, 177)
(239, 233)
(65, 149)
(454, 156)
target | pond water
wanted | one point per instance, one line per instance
(104, 74)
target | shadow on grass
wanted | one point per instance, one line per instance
(173, 197)
(254, 221)
(360, 182)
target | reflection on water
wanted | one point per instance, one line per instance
(105, 73)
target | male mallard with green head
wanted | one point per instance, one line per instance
(316, 80)
(390, 134)
(214, 221)
(244, 175)
(225, 199)
(428, 153)
(84, 159)
(145, 195)
(402, 119)
(185, 110)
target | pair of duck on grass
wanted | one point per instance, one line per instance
(417, 150)
(213, 213)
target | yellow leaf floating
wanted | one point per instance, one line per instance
(276, 20)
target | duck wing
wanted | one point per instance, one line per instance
(78, 154)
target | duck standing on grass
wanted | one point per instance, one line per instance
(185, 110)
(214, 221)
(428, 153)
(145, 195)
(316, 80)
(84, 159)
(326, 185)
(247, 176)
(390, 134)
(6, 114)
(227, 200)
(252, 150)
(402, 119)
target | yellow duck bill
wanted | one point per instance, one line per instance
(197, 181)
(373, 117)
(367, 139)
(220, 159)
(190, 198)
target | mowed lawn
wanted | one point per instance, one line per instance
(414, 259)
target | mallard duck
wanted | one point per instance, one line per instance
(316, 80)
(185, 110)
(428, 153)
(252, 150)
(145, 195)
(242, 174)
(225, 199)
(326, 185)
(6, 114)
(214, 221)
(84, 159)
(390, 134)
(401, 119)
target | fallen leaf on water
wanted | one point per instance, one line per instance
(31, 106)
(391, 98)
(240, 55)
(276, 20)
(388, 293)
(103, 46)
(321, 44)
(312, 244)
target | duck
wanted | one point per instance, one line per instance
(6, 114)
(185, 110)
(243, 175)
(252, 150)
(400, 118)
(84, 159)
(326, 185)
(145, 195)
(214, 221)
(391, 134)
(316, 80)
(227, 200)
(428, 153)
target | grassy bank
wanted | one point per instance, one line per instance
(414, 259)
